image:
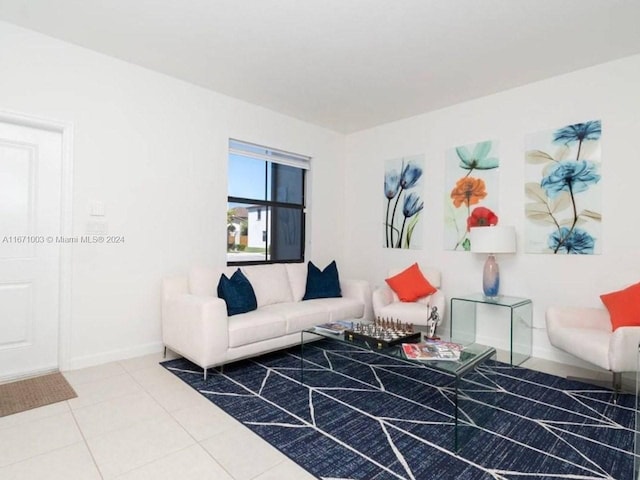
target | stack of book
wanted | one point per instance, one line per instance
(432, 350)
(337, 328)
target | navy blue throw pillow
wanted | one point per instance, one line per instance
(322, 284)
(237, 293)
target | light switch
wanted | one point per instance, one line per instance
(96, 209)
(97, 227)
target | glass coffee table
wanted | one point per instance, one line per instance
(465, 384)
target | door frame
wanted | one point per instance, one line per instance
(65, 129)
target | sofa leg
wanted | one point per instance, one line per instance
(164, 355)
(204, 373)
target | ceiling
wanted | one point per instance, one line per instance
(346, 65)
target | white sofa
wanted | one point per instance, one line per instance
(386, 303)
(586, 333)
(195, 322)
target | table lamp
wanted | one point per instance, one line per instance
(492, 240)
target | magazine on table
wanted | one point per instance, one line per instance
(334, 327)
(433, 350)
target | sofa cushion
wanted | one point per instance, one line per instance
(270, 283)
(297, 273)
(237, 293)
(322, 283)
(254, 327)
(299, 315)
(340, 308)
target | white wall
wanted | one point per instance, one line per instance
(608, 92)
(153, 149)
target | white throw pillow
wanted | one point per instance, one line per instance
(270, 283)
(297, 279)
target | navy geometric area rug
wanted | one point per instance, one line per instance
(364, 416)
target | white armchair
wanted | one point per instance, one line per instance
(586, 333)
(386, 303)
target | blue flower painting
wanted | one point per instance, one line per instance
(403, 179)
(563, 190)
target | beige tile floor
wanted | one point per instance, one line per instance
(134, 420)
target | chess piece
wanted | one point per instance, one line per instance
(432, 323)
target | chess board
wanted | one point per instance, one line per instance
(383, 340)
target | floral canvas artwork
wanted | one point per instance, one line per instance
(563, 190)
(403, 204)
(471, 191)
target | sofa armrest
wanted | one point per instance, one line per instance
(196, 327)
(359, 290)
(577, 317)
(172, 286)
(382, 296)
(623, 349)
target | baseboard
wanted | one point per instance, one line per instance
(24, 376)
(113, 356)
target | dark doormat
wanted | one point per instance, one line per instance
(34, 392)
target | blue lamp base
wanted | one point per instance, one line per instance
(491, 278)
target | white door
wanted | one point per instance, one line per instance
(30, 209)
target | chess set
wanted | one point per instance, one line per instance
(383, 333)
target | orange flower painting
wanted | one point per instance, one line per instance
(472, 170)
(468, 191)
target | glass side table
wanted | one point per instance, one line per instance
(464, 316)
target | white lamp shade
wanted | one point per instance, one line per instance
(497, 239)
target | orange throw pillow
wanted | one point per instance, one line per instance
(410, 284)
(623, 306)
